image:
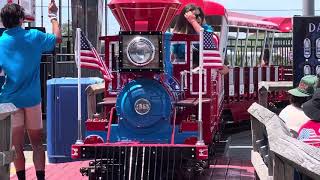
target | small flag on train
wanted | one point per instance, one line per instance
(211, 55)
(90, 58)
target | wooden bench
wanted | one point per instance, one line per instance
(276, 155)
(6, 153)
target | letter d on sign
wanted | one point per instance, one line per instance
(312, 27)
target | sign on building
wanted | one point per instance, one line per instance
(306, 47)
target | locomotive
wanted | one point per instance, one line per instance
(151, 129)
(144, 138)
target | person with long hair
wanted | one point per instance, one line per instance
(190, 21)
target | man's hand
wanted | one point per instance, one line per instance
(52, 8)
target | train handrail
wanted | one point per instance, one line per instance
(110, 123)
(277, 155)
(173, 125)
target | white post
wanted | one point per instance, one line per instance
(78, 41)
(200, 138)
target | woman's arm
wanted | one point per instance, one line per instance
(193, 21)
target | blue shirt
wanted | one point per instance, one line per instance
(20, 56)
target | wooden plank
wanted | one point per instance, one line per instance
(276, 86)
(234, 169)
(257, 130)
(269, 119)
(299, 155)
(259, 166)
(282, 171)
(278, 169)
(220, 169)
(95, 88)
(6, 157)
(6, 109)
(263, 96)
(5, 139)
(4, 172)
(91, 105)
(247, 171)
(289, 172)
(192, 102)
(92, 91)
(108, 101)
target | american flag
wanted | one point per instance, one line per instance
(211, 54)
(309, 136)
(90, 58)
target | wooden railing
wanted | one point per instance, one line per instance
(276, 155)
(6, 153)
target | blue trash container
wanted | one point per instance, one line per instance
(62, 115)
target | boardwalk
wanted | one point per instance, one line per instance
(233, 163)
(219, 169)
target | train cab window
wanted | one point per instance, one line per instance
(194, 60)
(178, 52)
(114, 55)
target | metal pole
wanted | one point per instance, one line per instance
(308, 8)
(68, 29)
(106, 18)
(255, 50)
(78, 37)
(271, 49)
(60, 21)
(200, 139)
(235, 49)
(41, 6)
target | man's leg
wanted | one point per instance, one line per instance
(36, 137)
(18, 142)
(35, 132)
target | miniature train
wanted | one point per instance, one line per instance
(151, 131)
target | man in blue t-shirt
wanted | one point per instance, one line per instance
(20, 55)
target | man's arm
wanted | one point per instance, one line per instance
(53, 9)
(56, 30)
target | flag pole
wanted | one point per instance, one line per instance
(78, 41)
(200, 130)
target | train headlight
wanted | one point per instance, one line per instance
(140, 51)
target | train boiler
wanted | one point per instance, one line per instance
(144, 138)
